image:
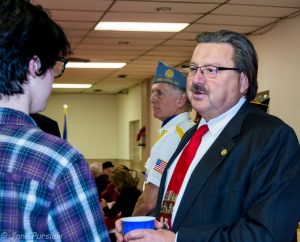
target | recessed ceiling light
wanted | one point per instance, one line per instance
(94, 65)
(163, 9)
(60, 85)
(141, 26)
(123, 42)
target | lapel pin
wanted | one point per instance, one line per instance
(224, 152)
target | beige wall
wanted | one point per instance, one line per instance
(279, 66)
(128, 109)
(92, 122)
(98, 125)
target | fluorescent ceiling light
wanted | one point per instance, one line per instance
(59, 85)
(141, 26)
(94, 65)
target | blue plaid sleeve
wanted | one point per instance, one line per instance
(76, 213)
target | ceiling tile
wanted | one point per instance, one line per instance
(151, 7)
(93, 5)
(150, 17)
(233, 20)
(84, 16)
(248, 10)
(275, 3)
(196, 28)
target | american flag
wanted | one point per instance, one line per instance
(160, 166)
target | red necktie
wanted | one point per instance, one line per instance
(178, 175)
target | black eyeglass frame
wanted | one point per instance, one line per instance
(218, 68)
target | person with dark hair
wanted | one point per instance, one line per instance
(235, 174)
(46, 191)
(126, 185)
(102, 181)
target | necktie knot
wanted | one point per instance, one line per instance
(200, 131)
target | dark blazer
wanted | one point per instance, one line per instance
(46, 124)
(250, 192)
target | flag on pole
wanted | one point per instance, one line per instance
(65, 132)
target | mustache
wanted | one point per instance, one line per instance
(198, 88)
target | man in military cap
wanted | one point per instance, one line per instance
(171, 106)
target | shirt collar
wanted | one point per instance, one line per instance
(216, 125)
(167, 120)
(15, 117)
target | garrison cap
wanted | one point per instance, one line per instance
(171, 75)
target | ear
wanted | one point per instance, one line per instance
(181, 101)
(34, 66)
(244, 83)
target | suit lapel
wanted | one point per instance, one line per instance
(215, 155)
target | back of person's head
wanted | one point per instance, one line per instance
(107, 164)
(26, 32)
(244, 58)
(122, 179)
(123, 167)
(96, 168)
(107, 167)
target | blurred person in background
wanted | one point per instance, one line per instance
(111, 194)
(96, 169)
(126, 186)
(102, 180)
(46, 191)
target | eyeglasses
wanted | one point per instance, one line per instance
(60, 66)
(207, 71)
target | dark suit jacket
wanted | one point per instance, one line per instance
(249, 194)
(46, 124)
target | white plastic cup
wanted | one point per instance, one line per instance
(137, 222)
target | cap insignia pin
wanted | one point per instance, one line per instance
(169, 73)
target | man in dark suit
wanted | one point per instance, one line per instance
(243, 182)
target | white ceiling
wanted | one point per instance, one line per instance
(142, 50)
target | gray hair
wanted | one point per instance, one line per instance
(245, 56)
(96, 167)
(178, 91)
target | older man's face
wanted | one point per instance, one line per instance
(211, 97)
(164, 100)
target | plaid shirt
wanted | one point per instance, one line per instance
(47, 192)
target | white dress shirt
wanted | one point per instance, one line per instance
(215, 127)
